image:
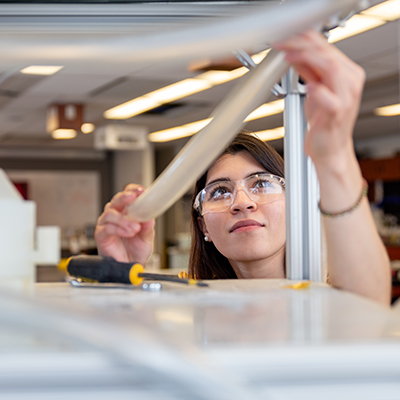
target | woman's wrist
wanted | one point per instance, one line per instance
(341, 183)
(349, 210)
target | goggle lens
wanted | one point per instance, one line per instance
(219, 196)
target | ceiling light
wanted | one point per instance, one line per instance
(87, 128)
(355, 25)
(178, 90)
(41, 69)
(257, 58)
(267, 109)
(64, 134)
(220, 77)
(271, 134)
(388, 10)
(388, 111)
(154, 99)
(131, 108)
(178, 132)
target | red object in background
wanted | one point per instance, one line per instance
(394, 252)
(22, 187)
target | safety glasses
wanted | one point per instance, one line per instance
(219, 196)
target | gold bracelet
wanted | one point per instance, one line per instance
(349, 210)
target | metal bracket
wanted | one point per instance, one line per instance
(244, 58)
(290, 84)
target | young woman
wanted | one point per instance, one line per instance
(239, 214)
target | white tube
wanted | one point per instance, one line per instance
(207, 145)
(265, 23)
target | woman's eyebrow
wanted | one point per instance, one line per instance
(218, 180)
(229, 180)
(256, 173)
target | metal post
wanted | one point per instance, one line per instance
(313, 224)
(303, 230)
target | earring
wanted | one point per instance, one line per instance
(206, 238)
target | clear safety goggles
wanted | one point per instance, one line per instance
(219, 196)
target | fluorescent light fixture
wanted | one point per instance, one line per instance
(131, 108)
(388, 111)
(355, 25)
(388, 10)
(178, 132)
(271, 134)
(63, 134)
(178, 90)
(87, 128)
(219, 77)
(190, 129)
(154, 99)
(267, 109)
(257, 58)
(368, 19)
(41, 69)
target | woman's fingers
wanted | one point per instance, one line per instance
(321, 96)
(334, 89)
(115, 230)
(318, 61)
(147, 232)
(113, 220)
(117, 235)
(325, 69)
(113, 217)
(122, 199)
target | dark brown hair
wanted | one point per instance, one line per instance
(206, 262)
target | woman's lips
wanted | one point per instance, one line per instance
(246, 225)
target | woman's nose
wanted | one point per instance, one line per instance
(242, 201)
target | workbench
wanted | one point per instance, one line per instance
(261, 339)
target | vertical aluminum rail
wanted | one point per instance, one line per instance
(314, 257)
(303, 223)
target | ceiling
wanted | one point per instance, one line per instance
(94, 43)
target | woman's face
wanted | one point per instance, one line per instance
(247, 231)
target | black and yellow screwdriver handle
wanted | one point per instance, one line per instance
(108, 270)
(102, 269)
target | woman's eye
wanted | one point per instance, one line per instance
(262, 184)
(265, 186)
(220, 193)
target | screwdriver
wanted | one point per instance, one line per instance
(107, 269)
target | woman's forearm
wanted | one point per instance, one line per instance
(357, 258)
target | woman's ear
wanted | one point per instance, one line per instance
(203, 228)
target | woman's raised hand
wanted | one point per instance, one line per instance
(334, 89)
(118, 236)
(357, 259)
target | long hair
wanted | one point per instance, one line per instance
(206, 262)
